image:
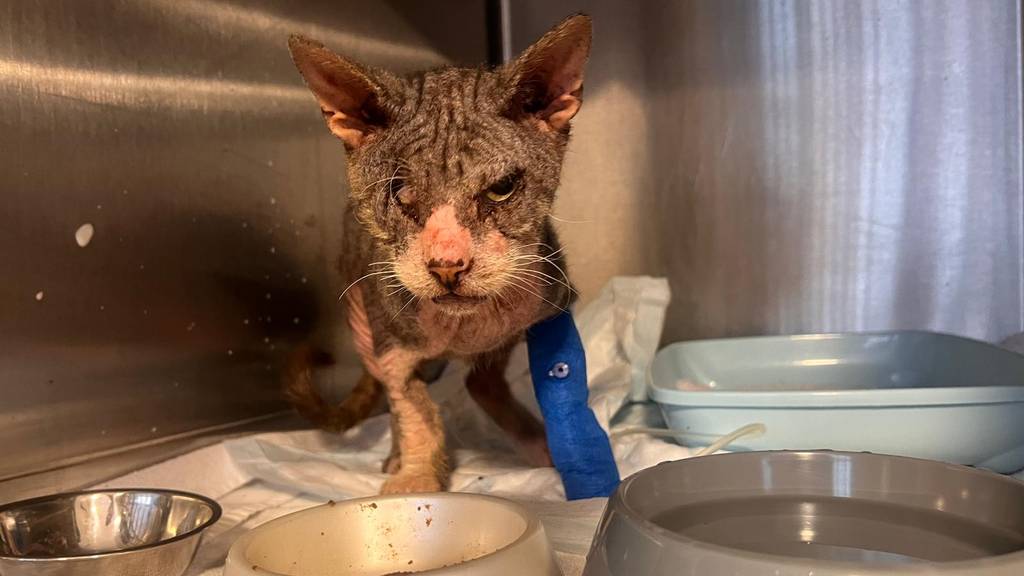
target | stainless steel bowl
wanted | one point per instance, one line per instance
(115, 532)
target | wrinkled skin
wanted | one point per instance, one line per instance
(449, 251)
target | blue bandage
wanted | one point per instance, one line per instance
(579, 447)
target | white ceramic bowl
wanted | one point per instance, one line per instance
(438, 534)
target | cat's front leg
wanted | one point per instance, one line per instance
(423, 465)
(393, 463)
(418, 458)
(488, 387)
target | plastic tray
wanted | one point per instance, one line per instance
(917, 394)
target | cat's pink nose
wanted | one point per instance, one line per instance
(447, 273)
(447, 247)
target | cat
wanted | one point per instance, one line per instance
(448, 246)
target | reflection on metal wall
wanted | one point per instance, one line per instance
(179, 130)
(804, 166)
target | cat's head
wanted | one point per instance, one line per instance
(453, 171)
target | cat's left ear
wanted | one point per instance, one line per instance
(349, 97)
(547, 78)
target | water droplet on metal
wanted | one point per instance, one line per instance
(84, 234)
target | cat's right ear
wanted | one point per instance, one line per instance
(349, 97)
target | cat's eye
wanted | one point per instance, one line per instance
(503, 189)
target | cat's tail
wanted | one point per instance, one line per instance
(300, 391)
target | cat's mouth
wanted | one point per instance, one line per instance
(458, 301)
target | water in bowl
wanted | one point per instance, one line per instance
(841, 529)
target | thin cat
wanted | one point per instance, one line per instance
(449, 250)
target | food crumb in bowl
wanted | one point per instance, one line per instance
(429, 520)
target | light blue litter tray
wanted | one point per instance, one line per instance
(916, 394)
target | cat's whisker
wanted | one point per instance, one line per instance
(552, 304)
(554, 265)
(358, 280)
(500, 295)
(513, 281)
(548, 279)
(567, 221)
(402, 309)
(554, 253)
(541, 244)
(384, 181)
(372, 184)
(551, 279)
(526, 262)
(560, 271)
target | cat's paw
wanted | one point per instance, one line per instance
(412, 483)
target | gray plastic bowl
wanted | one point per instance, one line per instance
(804, 513)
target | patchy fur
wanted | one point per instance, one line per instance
(449, 251)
